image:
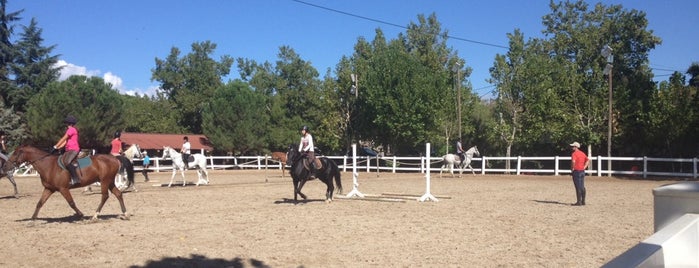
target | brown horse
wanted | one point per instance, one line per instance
(281, 157)
(103, 169)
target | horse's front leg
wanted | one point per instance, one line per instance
(66, 194)
(44, 196)
(172, 178)
(184, 182)
(301, 183)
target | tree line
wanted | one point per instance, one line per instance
(391, 94)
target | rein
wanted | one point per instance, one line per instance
(34, 161)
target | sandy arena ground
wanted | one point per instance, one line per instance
(247, 218)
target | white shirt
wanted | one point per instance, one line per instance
(306, 143)
(186, 147)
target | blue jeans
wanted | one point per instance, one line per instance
(579, 182)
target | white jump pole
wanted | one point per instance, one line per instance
(355, 190)
(427, 196)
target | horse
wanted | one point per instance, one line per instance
(129, 154)
(281, 157)
(103, 168)
(124, 180)
(452, 160)
(300, 174)
(8, 170)
(177, 164)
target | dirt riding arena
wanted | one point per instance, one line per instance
(247, 218)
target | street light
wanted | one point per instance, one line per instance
(354, 85)
(457, 69)
(607, 53)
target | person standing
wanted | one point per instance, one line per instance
(146, 164)
(306, 147)
(72, 148)
(116, 144)
(186, 151)
(578, 164)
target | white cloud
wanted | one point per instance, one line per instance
(109, 77)
(69, 69)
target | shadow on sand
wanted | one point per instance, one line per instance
(201, 261)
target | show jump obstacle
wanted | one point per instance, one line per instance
(355, 194)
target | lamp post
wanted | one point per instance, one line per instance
(457, 69)
(354, 85)
(607, 53)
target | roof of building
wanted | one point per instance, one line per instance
(150, 141)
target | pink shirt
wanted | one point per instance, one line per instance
(72, 142)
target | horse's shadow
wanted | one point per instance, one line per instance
(196, 260)
(300, 201)
(551, 202)
(70, 219)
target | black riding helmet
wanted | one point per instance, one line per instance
(305, 128)
(71, 120)
(117, 134)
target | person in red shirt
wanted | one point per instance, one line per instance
(578, 164)
(116, 144)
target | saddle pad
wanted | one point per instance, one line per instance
(82, 162)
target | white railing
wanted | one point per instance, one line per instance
(555, 165)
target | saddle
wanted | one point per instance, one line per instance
(189, 159)
(307, 164)
(83, 161)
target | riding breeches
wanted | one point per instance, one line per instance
(69, 156)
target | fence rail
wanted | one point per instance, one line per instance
(553, 165)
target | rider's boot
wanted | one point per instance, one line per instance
(582, 197)
(578, 197)
(313, 169)
(74, 179)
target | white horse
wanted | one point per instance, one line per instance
(121, 181)
(452, 160)
(177, 164)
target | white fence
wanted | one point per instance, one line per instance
(552, 165)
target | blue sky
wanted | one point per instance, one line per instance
(119, 40)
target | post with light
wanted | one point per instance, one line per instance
(607, 53)
(457, 69)
(354, 85)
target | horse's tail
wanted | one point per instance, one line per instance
(128, 166)
(336, 174)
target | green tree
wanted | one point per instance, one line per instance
(93, 102)
(8, 51)
(235, 119)
(14, 127)
(33, 67)
(191, 80)
(149, 115)
(693, 72)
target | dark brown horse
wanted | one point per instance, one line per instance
(103, 169)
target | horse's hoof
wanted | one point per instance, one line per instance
(124, 217)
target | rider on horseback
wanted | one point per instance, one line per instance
(70, 142)
(306, 147)
(460, 151)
